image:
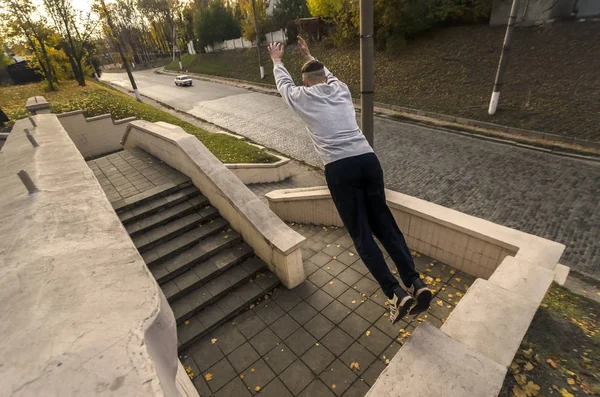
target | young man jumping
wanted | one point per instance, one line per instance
(354, 177)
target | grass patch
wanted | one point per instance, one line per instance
(96, 99)
(560, 354)
(549, 85)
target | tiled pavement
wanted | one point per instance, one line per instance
(125, 174)
(303, 342)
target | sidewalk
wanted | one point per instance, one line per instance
(330, 336)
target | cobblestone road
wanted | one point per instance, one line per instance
(543, 194)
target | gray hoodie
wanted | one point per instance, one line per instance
(328, 112)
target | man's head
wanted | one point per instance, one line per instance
(313, 72)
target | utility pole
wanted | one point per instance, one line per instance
(262, 70)
(173, 42)
(503, 58)
(120, 49)
(366, 69)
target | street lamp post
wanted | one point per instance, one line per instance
(262, 69)
(366, 69)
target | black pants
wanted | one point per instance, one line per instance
(356, 185)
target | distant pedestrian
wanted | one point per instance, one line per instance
(354, 177)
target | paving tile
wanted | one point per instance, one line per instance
(280, 357)
(335, 312)
(305, 289)
(228, 338)
(321, 259)
(222, 372)
(376, 342)
(300, 341)
(352, 299)
(202, 387)
(348, 258)
(358, 389)
(392, 330)
(309, 268)
(275, 388)
(258, 375)
(270, 312)
(390, 351)
(264, 341)
(441, 312)
(340, 375)
(251, 326)
(354, 325)
(366, 286)
(370, 311)
(303, 312)
(315, 245)
(235, 388)
(285, 326)
(190, 366)
(373, 372)
(211, 316)
(319, 300)
(242, 357)
(332, 250)
(317, 389)
(307, 254)
(349, 276)
(320, 278)
(187, 332)
(319, 326)
(449, 294)
(296, 377)
(317, 358)
(204, 353)
(287, 300)
(337, 341)
(335, 288)
(360, 267)
(334, 267)
(359, 354)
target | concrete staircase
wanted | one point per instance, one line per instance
(206, 271)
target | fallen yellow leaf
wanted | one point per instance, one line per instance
(518, 392)
(387, 361)
(355, 365)
(331, 283)
(257, 388)
(571, 381)
(252, 370)
(438, 279)
(351, 254)
(453, 272)
(213, 340)
(226, 236)
(242, 376)
(186, 322)
(528, 366)
(565, 393)
(334, 257)
(333, 386)
(368, 333)
(458, 279)
(338, 246)
(551, 362)
(208, 376)
(521, 379)
(353, 302)
(532, 389)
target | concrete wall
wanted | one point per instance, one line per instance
(587, 8)
(94, 136)
(80, 314)
(532, 11)
(272, 240)
(470, 354)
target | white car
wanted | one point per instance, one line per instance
(183, 80)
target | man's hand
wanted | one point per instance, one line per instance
(303, 47)
(276, 51)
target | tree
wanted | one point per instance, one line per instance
(216, 23)
(21, 20)
(75, 32)
(288, 10)
(247, 21)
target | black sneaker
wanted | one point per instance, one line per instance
(422, 294)
(400, 305)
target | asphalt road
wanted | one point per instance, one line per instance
(543, 194)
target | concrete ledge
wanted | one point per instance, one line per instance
(524, 279)
(37, 105)
(434, 365)
(561, 274)
(94, 136)
(471, 244)
(273, 241)
(491, 320)
(80, 313)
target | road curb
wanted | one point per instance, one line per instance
(535, 140)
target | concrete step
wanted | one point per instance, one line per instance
(165, 215)
(212, 291)
(157, 202)
(198, 253)
(159, 254)
(227, 307)
(226, 255)
(161, 234)
(140, 200)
